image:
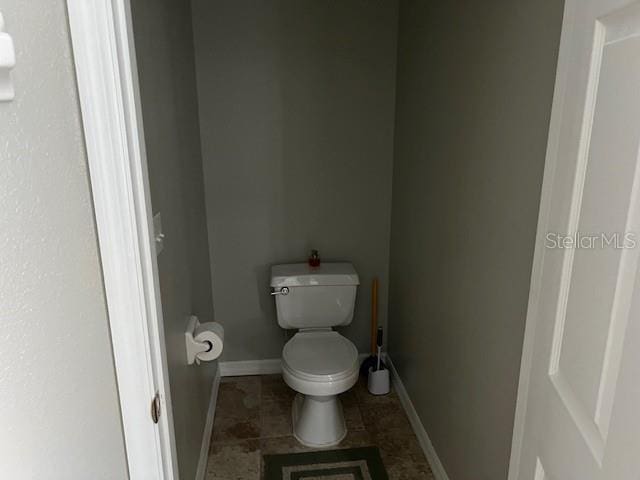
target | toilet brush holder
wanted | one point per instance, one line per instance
(378, 381)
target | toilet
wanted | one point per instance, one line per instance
(317, 362)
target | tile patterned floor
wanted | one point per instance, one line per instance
(253, 417)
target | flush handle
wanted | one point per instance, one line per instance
(282, 291)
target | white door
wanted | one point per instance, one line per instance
(579, 402)
(103, 51)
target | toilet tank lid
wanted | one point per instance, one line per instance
(302, 275)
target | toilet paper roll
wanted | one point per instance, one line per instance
(213, 333)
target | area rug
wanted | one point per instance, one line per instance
(349, 464)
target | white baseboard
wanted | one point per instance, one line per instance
(208, 428)
(258, 367)
(423, 438)
(250, 367)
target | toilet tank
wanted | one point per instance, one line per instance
(318, 297)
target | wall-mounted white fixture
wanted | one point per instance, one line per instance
(7, 62)
(204, 341)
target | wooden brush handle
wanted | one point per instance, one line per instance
(374, 315)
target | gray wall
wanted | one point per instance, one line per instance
(296, 106)
(164, 47)
(475, 83)
(59, 414)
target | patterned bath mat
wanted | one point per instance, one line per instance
(349, 464)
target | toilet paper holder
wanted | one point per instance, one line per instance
(194, 347)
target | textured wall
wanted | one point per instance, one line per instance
(59, 412)
(296, 106)
(475, 84)
(164, 47)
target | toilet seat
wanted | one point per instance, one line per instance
(320, 362)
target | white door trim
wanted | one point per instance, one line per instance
(539, 251)
(104, 54)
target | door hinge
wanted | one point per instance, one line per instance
(155, 408)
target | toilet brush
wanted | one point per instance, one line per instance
(379, 349)
(378, 381)
(373, 359)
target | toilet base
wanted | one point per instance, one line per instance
(318, 421)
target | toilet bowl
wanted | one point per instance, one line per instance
(317, 362)
(319, 365)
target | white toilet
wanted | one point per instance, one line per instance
(317, 362)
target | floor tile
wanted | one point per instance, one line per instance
(234, 461)
(274, 388)
(383, 418)
(231, 429)
(253, 418)
(238, 397)
(275, 418)
(409, 471)
(277, 406)
(349, 398)
(288, 444)
(399, 447)
(353, 417)
(355, 439)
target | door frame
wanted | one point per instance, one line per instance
(551, 159)
(107, 78)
